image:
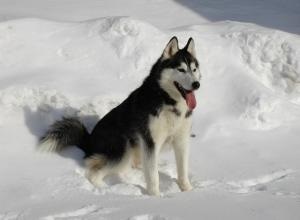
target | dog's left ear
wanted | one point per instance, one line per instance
(190, 47)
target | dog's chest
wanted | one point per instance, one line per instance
(170, 120)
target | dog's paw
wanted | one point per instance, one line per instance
(95, 180)
(153, 192)
(185, 186)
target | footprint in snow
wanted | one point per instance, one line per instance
(245, 186)
(82, 213)
(10, 216)
(257, 184)
(148, 217)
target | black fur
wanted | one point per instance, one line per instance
(188, 113)
(66, 132)
(179, 57)
(124, 124)
(129, 120)
(176, 112)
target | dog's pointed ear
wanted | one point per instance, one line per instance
(171, 49)
(190, 47)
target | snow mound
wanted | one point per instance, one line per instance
(263, 111)
(273, 58)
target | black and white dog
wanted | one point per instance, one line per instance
(156, 113)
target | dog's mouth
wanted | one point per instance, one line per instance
(188, 95)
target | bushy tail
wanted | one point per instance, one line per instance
(64, 133)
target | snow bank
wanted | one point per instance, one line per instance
(43, 62)
(272, 56)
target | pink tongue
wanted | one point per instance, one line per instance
(190, 100)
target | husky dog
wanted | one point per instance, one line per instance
(156, 113)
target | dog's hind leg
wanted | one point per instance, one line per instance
(96, 169)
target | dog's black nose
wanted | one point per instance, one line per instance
(196, 85)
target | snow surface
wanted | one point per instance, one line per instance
(245, 153)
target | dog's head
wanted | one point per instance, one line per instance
(180, 72)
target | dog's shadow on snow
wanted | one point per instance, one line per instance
(39, 120)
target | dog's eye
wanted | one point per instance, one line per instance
(194, 70)
(181, 70)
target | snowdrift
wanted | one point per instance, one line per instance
(44, 62)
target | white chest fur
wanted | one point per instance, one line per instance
(170, 122)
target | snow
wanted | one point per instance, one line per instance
(66, 58)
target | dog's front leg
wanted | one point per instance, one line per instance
(150, 168)
(181, 149)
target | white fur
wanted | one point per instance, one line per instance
(150, 168)
(171, 49)
(48, 145)
(183, 66)
(168, 126)
(191, 47)
(196, 73)
(181, 149)
(96, 177)
(168, 77)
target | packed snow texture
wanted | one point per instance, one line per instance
(245, 153)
